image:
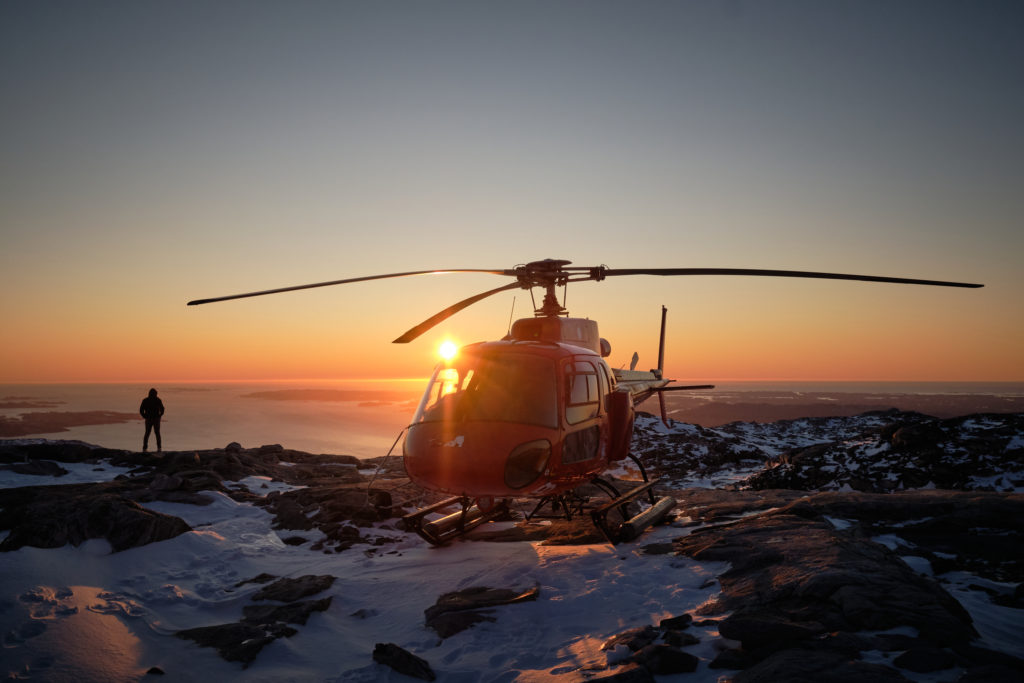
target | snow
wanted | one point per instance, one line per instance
(919, 564)
(999, 626)
(838, 523)
(78, 473)
(87, 614)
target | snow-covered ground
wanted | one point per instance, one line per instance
(85, 614)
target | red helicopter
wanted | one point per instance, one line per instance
(538, 413)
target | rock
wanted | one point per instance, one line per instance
(823, 666)
(270, 448)
(403, 661)
(479, 597)
(633, 673)
(290, 590)
(680, 622)
(155, 671)
(925, 659)
(634, 638)
(233, 447)
(41, 468)
(731, 658)
(237, 642)
(166, 482)
(294, 613)
(918, 436)
(991, 673)
(259, 578)
(757, 630)
(663, 660)
(53, 516)
(680, 638)
(448, 624)
(456, 611)
(817, 581)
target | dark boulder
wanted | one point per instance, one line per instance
(819, 666)
(663, 660)
(290, 590)
(632, 673)
(815, 581)
(925, 659)
(293, 613)
(39, 468)
(403, 661)
(53, 516)
(239, 641)
(456, 611)
(634, 638)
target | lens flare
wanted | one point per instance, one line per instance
(448, 350)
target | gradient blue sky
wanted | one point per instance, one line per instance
(157, 152)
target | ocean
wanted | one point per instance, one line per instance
(360, 418)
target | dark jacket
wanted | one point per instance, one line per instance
(152, 408)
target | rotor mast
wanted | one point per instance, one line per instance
(549, 274)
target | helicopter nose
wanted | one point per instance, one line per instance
(476, 459)
(526, 462)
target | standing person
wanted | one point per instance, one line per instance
(151, 410)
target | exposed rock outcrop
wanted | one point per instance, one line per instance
(53, 516)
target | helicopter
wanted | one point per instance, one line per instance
(539, 414)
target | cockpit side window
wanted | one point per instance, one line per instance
(581, 391)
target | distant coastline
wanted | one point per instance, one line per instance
(361, 418)
(725, 405)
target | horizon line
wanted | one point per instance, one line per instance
(425, 379)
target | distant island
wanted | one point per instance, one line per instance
(52, 422)
(711, 409)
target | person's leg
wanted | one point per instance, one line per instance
(145, 439)
(156, 430)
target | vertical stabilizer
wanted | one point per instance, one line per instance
(660, 372)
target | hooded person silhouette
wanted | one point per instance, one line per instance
(151, 410)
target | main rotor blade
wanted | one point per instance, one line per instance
(449, 312)
(781, 273)
(340, 282)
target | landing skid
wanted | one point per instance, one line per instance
(468, 517)
(474, 512)
(630, 527)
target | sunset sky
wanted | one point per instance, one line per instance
(157, 152)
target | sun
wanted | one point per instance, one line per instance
(448, 349)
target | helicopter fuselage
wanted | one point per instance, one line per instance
(518, 418)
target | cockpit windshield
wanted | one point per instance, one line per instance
(502, 388)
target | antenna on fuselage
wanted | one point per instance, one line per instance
(511, 314)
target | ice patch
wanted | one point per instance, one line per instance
(839, 524)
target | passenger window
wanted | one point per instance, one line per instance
(602, 378)
(581, 388)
